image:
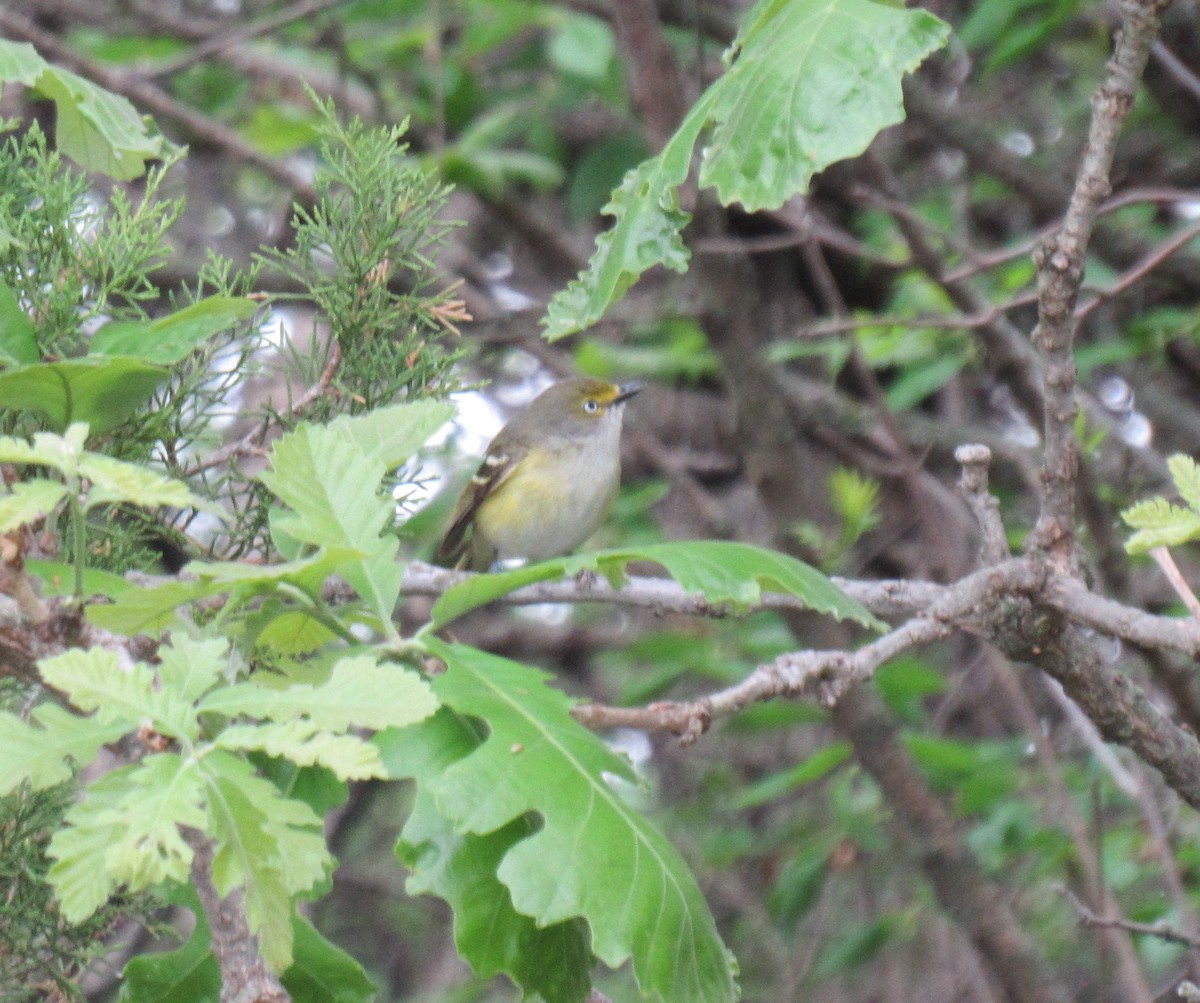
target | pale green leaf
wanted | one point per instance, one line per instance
(29, 501)
(62, 452)
(494, 938)
(305, 744)
(43, 754)
(594, 856)
(724, 572)
(95, 680)
(116, 481)
(393, 434)
(269, 845)
(331, 485)
(1185, 472)
(57, 579)
(360, 692)
(79, 874)
(164, 792)
(1159, 524)
(189, 667)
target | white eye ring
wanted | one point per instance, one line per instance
(591, 406)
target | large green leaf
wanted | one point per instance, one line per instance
(99, 130)
(167, 340)
(594, 856)
(724, 572)
(100, 390)
(809, 82)
(494, 938)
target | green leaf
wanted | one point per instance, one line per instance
(57, 579)
(164, 792)
(99, 130)
(80, 874)
(722, 571)
(189, 667)
(96, 680)
(647, 232)
(348, 756)
(167, 340)
(332, 485)
(393, 434)
(42, 754)
(359, 693)
(584, 45)
(594, 856)
(269, 845)
(115, 481)
(100, 390)
(494, 938)
(1185, 472)
(188, 974)
(1159, 524)
(149, 611)
(62, 452)
(28, 501)
(809, 82)
(18, 343)
(323, 973)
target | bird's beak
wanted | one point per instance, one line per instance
(625, 391)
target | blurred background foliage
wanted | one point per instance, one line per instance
(876, 301)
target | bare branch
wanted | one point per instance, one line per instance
(1060, 262)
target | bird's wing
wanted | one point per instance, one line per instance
(496, 468)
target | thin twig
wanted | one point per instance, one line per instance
(1164, 931)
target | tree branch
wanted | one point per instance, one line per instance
(1060, 262)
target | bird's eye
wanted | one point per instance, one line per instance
(591, 406)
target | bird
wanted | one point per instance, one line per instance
(546, 480)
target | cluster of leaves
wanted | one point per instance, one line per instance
(1162, 523)
(592, 877)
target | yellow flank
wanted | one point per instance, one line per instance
(548, 506)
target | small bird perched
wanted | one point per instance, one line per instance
(546, 480)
